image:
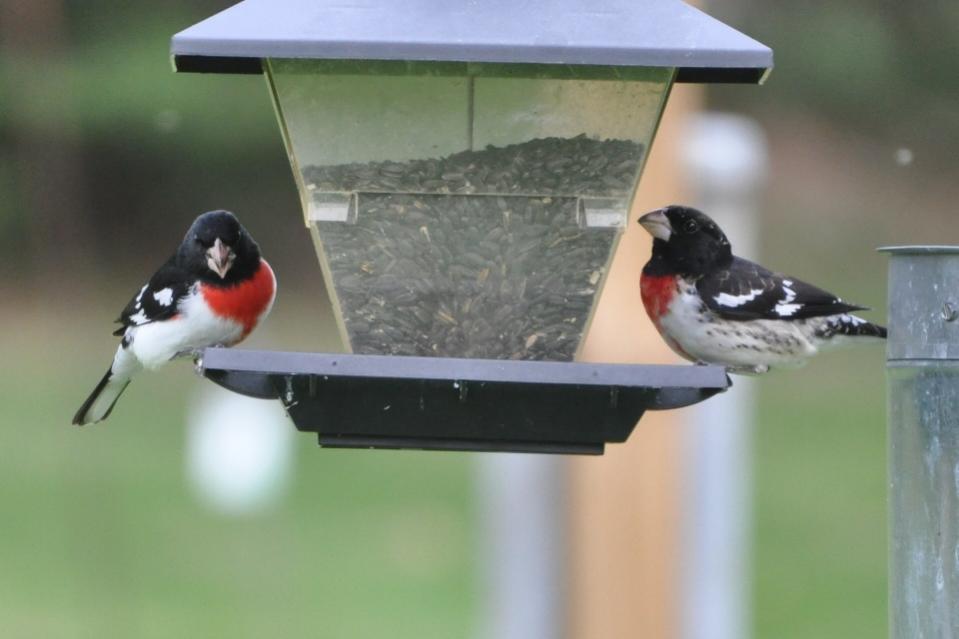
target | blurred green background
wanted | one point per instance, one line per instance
(106, 156)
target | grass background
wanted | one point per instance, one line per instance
(102, 537)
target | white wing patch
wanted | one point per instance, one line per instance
(786, 307)
(786, 310)
(851, 319)
(732, 301)
(140, 297)
(164, 297)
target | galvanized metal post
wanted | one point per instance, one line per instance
(923, 379)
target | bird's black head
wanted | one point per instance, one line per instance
(218, 249)
(686, 242)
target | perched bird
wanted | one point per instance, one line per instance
(212, 292)
(713, 307)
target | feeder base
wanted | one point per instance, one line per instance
(374, 401)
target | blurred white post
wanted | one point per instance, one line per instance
(522, 557)
(725, 157)
(239, 451)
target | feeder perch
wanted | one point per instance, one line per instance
(465, 171)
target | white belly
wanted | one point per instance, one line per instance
(156, 343)
(705, 337)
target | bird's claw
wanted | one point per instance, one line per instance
(758, 369)
(195, 353)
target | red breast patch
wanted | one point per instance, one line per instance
(243, 302)
(657, 292)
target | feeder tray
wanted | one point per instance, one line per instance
(371, 401)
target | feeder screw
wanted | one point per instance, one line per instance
(949, 312)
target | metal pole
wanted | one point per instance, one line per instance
(923, 379)
(725, 156)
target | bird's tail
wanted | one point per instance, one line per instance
(846, 325)
(99, 404)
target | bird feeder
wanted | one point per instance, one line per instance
(465, 170)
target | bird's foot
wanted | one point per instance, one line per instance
(758, 369)
(193, 353)
(196, 353)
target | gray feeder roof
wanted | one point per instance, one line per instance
(655, 33)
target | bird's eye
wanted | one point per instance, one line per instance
(690, 226)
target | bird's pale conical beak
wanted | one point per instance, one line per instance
(657, 224)
(219, 258)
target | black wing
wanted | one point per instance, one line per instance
(158, 299)
(747, 291)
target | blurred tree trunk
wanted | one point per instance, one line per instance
(47, 141)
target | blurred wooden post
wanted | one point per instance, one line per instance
(625, 528)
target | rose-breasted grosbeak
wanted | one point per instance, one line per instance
(713, 307)
(212, 292)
